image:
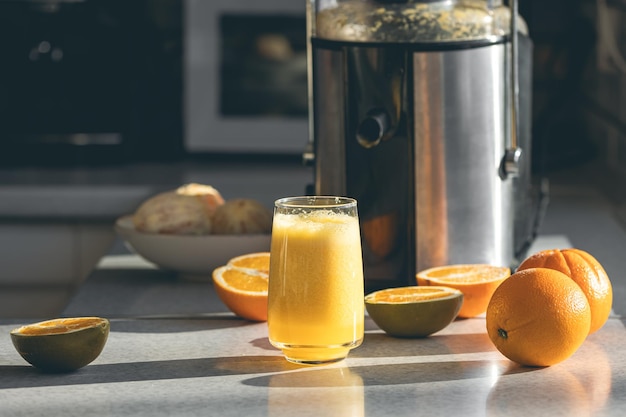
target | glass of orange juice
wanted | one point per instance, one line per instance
(315, 298)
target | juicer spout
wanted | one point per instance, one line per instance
(373, 128)
(376, 91)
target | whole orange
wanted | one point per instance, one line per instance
(538, 317)
(586, 271)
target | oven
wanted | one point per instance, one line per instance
(114, 81)
(245, 76)
(90, 81)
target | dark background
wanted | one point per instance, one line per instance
(121, 72)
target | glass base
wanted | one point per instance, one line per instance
(316, 355)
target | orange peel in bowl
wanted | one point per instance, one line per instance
(242, 216)
(477, 282)
(188, 210)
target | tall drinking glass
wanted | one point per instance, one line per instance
(316, 307)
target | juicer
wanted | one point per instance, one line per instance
(421, 110)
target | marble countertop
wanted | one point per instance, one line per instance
(175, 350)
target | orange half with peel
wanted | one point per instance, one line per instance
(243, 289)
(259, 262)
(61, 345)
(477, 282)
(413, 311)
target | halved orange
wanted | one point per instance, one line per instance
(413, 311)
(243, 291)
(477, 282)
(259, 261)
(61, 345)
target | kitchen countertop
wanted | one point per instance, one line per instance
(175, 350)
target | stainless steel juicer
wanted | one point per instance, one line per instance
(412, 113)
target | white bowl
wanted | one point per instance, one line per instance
(193, 256)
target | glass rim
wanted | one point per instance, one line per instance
(318, 201)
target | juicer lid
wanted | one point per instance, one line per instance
(412, 21)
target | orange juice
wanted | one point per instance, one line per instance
(316, 307)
